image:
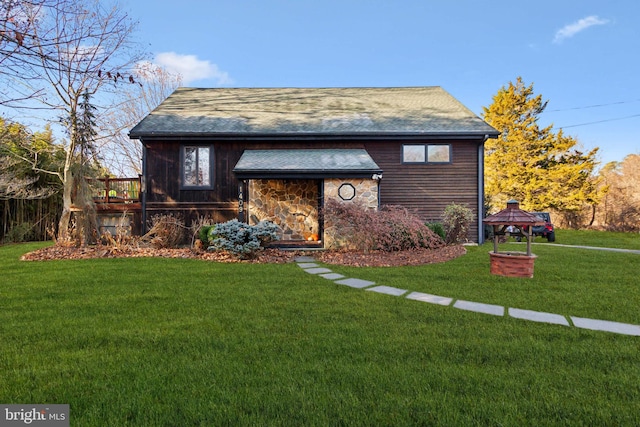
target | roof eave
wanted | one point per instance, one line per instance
(306, 136)
(306, 174)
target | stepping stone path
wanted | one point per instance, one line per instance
(388, 290)
(478, 307)
(355, 283)
(309, 265)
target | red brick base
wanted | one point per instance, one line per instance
(512, 264)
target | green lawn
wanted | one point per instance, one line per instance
(598, 239)
(167, 342)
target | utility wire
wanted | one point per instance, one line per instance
(596, 122)
(592, 106)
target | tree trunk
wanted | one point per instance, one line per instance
(67, 202)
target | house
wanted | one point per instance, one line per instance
(279, 153)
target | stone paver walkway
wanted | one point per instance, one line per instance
(311, 267)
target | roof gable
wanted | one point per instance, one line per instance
(310, 111)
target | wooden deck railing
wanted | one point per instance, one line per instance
(117, 190)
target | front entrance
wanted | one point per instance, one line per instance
(292, 204)
(287, 187)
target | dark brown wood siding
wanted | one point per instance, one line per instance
(428, 188)
(164, 186)
(425, 188)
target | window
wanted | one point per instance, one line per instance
(196, 167)
(431, 153)
(438, 154)
(413, 154)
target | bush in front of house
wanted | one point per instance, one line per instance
(456, 220)
(437, 228)
(203, 234)
(240, 239)
(392, 228)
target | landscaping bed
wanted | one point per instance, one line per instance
(351, 258)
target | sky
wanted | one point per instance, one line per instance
(581, 56)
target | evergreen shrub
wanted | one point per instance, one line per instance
(437, 228)
(240, 239)
(203, 234)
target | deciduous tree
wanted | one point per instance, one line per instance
(122, 154)
(61, 50)
(620, 208)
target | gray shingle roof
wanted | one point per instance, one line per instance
(345, 162)
(310, 111)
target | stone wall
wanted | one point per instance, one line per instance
(291, 204)
(294, 204)
(362, 191)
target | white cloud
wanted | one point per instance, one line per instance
(190, 68)
(571, 30)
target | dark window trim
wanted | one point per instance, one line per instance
(417, 162)
(183, 186)
(426, 154)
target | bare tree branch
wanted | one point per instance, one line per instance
(123, 154)
(60, 50)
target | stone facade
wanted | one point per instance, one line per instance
(362, 191)
(365, 191)
(294, 204)
(291, 204)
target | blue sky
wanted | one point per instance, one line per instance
(582, 56)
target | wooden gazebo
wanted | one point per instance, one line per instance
(512, 221)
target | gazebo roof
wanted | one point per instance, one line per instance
(513, 215)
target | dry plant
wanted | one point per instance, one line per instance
(123, 238)
(167, 231)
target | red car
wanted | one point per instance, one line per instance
(547, 231)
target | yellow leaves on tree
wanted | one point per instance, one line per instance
(541, 169)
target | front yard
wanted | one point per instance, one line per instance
(144, 341)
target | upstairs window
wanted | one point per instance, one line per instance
(426, 153)
(197, 167)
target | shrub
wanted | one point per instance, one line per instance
(203, 234)
(240, 239)
(392, 228)
(345, 224)
(456, 220)
(438, 229)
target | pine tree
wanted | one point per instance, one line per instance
(83, 168)
(541, 169)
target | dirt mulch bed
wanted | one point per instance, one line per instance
(392, 259)
(273, 256)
